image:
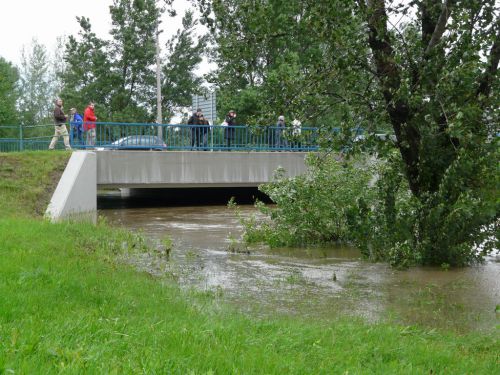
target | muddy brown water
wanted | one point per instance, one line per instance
(319, 283)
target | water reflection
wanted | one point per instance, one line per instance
(320, 283)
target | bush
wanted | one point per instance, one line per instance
(314, 208)
(367, 202)
(457, 225)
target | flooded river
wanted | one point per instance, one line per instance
(319, 283)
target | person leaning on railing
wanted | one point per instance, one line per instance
(60, 126)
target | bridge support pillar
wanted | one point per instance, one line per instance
(75, 196)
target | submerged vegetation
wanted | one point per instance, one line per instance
(314, 208)
(367, 202)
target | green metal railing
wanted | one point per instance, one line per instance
(26, 137)
(165, 137)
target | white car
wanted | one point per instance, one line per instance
(139, 142)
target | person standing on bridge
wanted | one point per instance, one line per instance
(230, 131)
(280, 136)
(89, 120)
(60, 126)
(196, 119)
(76, 122)
(296, 133)
(204, 131)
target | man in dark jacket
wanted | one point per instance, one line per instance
(230, 131)
(204, 131)
(60, 126)
(196, 119)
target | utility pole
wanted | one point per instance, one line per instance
(159, 117)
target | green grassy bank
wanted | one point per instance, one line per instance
(68, 304)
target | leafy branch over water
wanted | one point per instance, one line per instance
(367, 202)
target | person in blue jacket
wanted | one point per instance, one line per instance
(76, 126)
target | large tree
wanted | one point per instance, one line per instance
(9, 93)
(184, 52)
(36, 85)
(279, 57)
(119, 74)
(132, 55)
(58, 65)
(438, 75)
(87, 74)
(425, 69)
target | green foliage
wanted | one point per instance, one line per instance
(132, 57)
(36, 100)
(272, 59)
(314, 208)
(27, 181)
(9, 93)
(431, 78)
(247, 103)
(383, 227)
(368, 203)
(179, 80)
(119, 74)
(442, 101)
(87, 77)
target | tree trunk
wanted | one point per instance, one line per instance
(407, 135)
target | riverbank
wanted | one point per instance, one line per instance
(70, 304)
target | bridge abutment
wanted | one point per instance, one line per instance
(75, 196)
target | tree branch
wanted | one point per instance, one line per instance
(429, 16)
(440, 26)
(492, 68)
(383, 53)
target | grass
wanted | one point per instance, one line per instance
(27, 181)
(69, 304)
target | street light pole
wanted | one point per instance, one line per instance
(159, 117)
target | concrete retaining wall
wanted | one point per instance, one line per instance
(76, 194)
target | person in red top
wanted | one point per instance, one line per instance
(89, 120)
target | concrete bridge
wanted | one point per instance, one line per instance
(76, 193)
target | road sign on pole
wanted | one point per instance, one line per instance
(207, 104)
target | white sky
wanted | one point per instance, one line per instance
(23, 20)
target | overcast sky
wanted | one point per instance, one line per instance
(23, 20)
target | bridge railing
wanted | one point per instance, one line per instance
(113, 135)
(197, 137)
(26, 137)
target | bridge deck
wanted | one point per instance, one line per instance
(145, 169)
